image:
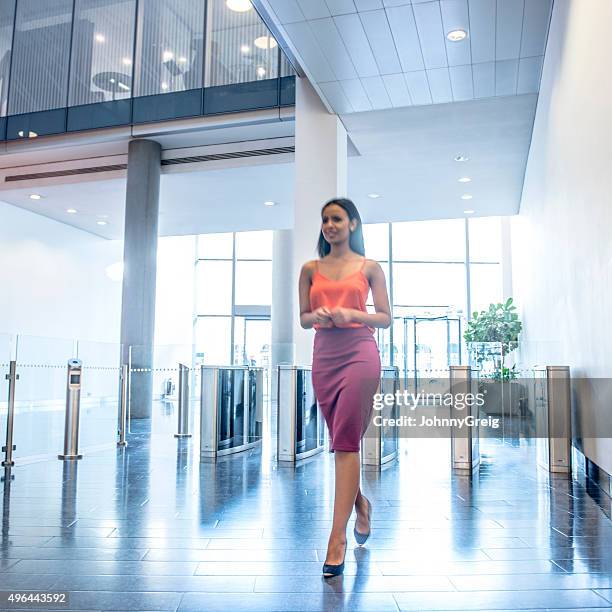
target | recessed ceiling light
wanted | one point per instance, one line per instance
(466, 196)
(182, 60)
(164, 86)
(465, 179)
(245, 49)
(101, 222)
(456, 35)
(167, 56)
(102, 216)
(265, 42)
(127, 61)
(469, 211)
(35, 196)
(240, 6)
(111, 80)
(71, 211)
(261, 71)
(269, 203)
(100, 38)
(374, 196)
(461, 158)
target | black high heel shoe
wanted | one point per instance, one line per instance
(361, 538)
(330, 570)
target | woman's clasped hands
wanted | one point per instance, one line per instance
(333, 317)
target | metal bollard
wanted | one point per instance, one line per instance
(183, 403)
(8, 449)
(465, 451)
(73, 407)
(123, 405)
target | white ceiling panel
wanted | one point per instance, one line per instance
(482, 30)
(461, 82)
(431, 34)
(330, 41)
(418, 86)
(377, 92)
(356, 42)
(530, 70)
(334, 93)
(397, 90)
(396, 2)
(314, 9)
(371, 39)
(509, 28)
(287, 11)
(356, 94)
(483, 76)
(440, 86)
(377, 29)
(403, 28)
(310, 51)
(454, 17)
(341, 7)
(535, 27)
(506, 77)
(368, 5)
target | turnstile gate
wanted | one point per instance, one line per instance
(552, 405)
(380, 442)
(300, 425)
(231, 408)
(465, 451)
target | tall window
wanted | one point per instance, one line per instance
(233, 298)
(485, 262)
(102, 49)
(170, 46)
(39, 75)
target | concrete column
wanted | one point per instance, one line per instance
(320, 174)
(140, 268)
(282, 302)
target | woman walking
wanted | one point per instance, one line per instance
(333, 291)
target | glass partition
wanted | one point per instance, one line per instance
(41, 51)
(7, 18)
(102, 49)
(240, 48)
(170, 46)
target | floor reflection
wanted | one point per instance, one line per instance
(149, 526)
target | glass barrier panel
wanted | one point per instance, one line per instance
(40, 397)
(6, 354)
(154, 387)
(99, 393)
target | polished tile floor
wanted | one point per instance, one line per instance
(152, 528)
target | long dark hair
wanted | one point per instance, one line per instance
(356, 236)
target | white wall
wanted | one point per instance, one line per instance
(53, 279)
(561, 238)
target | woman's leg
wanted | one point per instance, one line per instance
(346, 486)
(361, 508)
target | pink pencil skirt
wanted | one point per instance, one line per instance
(345, 376)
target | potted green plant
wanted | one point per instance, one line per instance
(491, 335)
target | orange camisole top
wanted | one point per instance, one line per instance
(348, 292)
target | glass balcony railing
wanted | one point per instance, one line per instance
(69, 66)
